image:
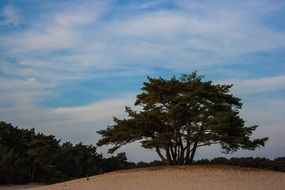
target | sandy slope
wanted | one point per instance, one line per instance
(181, 177)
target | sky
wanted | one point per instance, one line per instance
(68, 67)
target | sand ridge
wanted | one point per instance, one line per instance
(180, 178)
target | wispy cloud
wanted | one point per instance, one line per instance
(66, 122)
(60, 30)
(105, 109)
(10, 15)
(225, 32)
(259, 85)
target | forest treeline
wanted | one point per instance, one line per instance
(277, 164)
(27, 156)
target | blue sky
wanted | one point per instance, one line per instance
(68, 67)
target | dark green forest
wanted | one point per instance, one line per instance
(27, 156)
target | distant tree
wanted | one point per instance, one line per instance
(220, 160)
(278, 164)
(116, 162)
(178, 116)
(42, 151)
(142, 164)
(14, 164)
(202, 161)
(7, 160)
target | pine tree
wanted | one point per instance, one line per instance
(180, 115)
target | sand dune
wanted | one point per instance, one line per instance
(179, 177)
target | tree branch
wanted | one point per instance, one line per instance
(160, 155)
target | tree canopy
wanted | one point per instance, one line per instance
(178, 115)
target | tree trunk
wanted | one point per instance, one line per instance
(160, 155)
(169, 160)
(193, 152)
(173, 155)
(33, 172)
(181, 157)
(186, 159)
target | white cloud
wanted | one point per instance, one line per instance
(97, 111)
(265, 112)
(10, 14)
(182, 39)
(173, 39)
(145, 4)
(225, 33)
(74, 18)
(258, 85)
(60, 30)
(21, 93)
(151, 25)
(6, 84)
(75, 124)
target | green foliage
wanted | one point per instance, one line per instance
(26, 156)
(117, 162)
(7, 160)
(179, 115)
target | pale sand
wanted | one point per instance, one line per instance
(180, 178)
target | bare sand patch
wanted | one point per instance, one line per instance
(180, 178)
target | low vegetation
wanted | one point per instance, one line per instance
(277, 164)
